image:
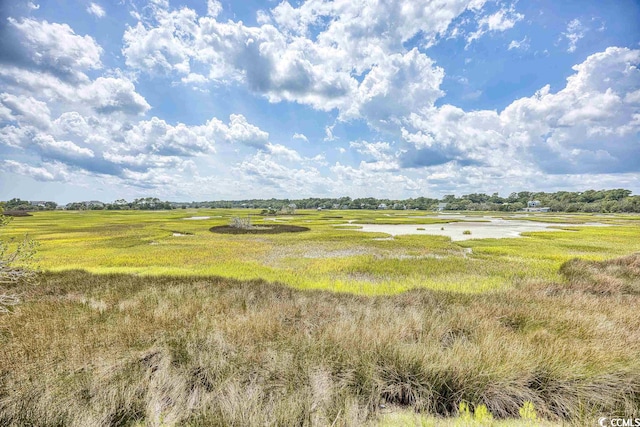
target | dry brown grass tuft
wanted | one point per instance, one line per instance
(618, 276)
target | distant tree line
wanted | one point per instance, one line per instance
(143, 204)
(604, 201)
(617, 200)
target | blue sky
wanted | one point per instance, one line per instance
(208, 99)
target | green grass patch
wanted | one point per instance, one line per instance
(325, 257)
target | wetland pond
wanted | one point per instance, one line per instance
(466, 228)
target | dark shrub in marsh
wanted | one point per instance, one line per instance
(261, 229)
(16, 213)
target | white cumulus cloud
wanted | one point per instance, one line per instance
(575, 31)
(519, 44)
(300, 136)
(502, 20)
(96, 10)
(55, 48)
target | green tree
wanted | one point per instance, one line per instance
(617, 194)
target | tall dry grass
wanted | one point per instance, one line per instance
(619, 276)
(122, 350)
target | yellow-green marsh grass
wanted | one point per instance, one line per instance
(326, 257)
(179, 341)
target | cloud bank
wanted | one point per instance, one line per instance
(65, 115)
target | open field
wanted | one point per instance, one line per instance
(171, 324)
(326, 257)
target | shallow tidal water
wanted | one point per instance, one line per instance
(480, 228)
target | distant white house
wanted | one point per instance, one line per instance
(441, 207)
(534, 206)
(382, 206)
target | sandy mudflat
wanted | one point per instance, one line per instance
(197, 218)
(493, 228)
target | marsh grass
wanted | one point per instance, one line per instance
(619, 276)
(93, 350)
(107, 242)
